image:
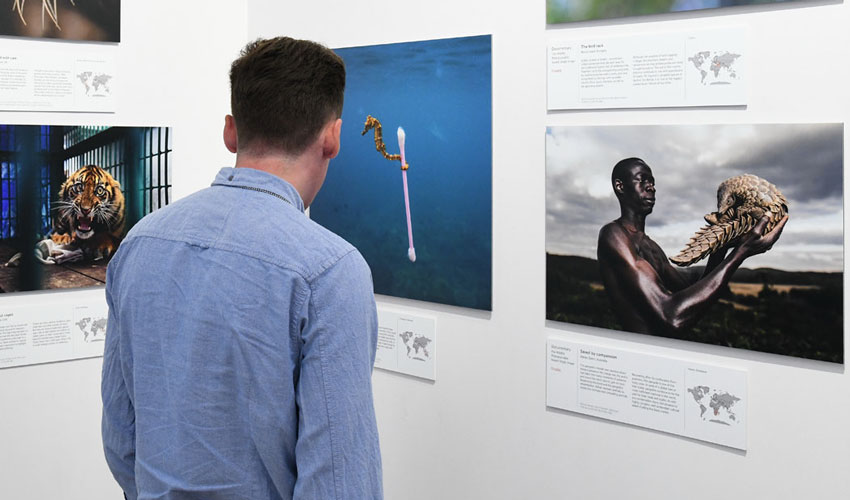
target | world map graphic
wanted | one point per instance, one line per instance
(716, 68)
(96, 84)
(417, 345)
(93, 329)
(716, 406)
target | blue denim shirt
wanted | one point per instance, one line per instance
(239, 352)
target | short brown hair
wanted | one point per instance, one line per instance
(283, 91)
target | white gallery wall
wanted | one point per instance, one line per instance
(171, 70)
(482, 430)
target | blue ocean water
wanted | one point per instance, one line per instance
(439, 91)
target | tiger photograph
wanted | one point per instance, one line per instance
(68, 196)
(89, 215)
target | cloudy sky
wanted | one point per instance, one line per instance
(689, 161)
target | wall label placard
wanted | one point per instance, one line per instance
(407, 344)
(56, 80)
(38, 334)
(678, 69)
(696, 400)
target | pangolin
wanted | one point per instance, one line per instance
(741, 202)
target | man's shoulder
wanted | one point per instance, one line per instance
(611, 231)
(331, 250)
(615, 242)
(262, 227)
(193, 205)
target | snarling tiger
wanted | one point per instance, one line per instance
(90, 212)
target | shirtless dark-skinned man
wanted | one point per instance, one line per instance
(647, 293)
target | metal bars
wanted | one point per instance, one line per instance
(8, 182)
(153, 159)
(155, 151)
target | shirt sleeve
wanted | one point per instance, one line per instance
(118, 425)
(337, 453)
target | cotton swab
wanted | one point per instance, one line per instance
(411, 252)
(373, 123)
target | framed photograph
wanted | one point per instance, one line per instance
(566, 11)
(424, 225)
(694, 186)
(89, 20)
(69, 194)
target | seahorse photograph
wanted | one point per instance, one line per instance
(731, 235)
(411, 188)
(68, 196)
(565, 11)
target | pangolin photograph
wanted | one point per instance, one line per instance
(729, 235)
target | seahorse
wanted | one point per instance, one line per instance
(741, 202)
(374, 123)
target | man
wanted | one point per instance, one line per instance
(241, 334)
(647, 293)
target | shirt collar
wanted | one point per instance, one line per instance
(258, 180)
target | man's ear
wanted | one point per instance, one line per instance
(331, 138)
(231, 142)
(618, 186)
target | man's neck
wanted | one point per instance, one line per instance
(291, 169)
(276, 165)
(632, 221)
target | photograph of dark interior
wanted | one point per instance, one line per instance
(89, 20)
